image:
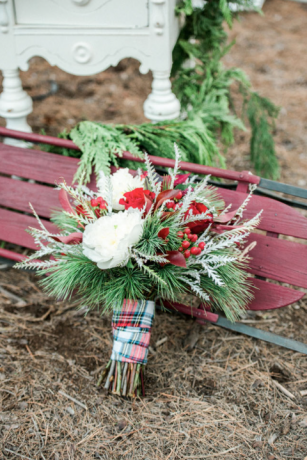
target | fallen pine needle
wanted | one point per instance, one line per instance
(283, 389)
(73, 399)
(161, 342)
(20, 302)
(244, 367)
(16, 453)
(30, 353)
(217, 454)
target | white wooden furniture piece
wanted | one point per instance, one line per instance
(84, 37)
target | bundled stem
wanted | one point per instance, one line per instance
(123, 379)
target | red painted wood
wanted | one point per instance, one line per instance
(270, 296)
(12, 255)
(158, 161)
(13, 225)
(276, 217)
(39, 138)
(34, 164)
(272, 234)
(242, 187)
(279, 260)
(51, 168)
(18, 194)
(195, 312)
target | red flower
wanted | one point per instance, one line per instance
(149, 194)
(137, 199)
(199, 225)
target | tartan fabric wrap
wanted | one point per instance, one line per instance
(131, 331)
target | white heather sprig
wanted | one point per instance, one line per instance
(191, 195)
(195, 274)
(174, 173)
(152, 258)
(152, 175)
(42, 226)
(80, 199)
(225, 210)
(108, 194)
(206, 235)
(214, 276)
(88, 191)
(186, 204)
(195, 288)
(231, 237)
(193, 179)
(239, 214)
(79, 218)
(194, 218)
(38, 265)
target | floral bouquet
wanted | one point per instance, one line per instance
(141, 238)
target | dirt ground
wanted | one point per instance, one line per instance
(218, 399)
(210, 393)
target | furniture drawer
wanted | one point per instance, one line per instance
(96, 13)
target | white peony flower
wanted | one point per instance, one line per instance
(122, 181)
(107, 241)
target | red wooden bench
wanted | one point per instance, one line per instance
(272, 258)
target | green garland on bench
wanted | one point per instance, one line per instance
(204, 90)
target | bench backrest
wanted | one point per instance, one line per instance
(273, 258)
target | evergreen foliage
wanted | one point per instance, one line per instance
(204, 87)
(262, 149)
(99, 143)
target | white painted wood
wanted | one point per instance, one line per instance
(84, 37)
(161, 104)
(15, 105)
(98, 13)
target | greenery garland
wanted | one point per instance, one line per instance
(204, 91)
(204, 87)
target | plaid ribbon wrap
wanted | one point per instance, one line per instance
(131, 331)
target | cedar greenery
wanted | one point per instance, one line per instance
(203, 86)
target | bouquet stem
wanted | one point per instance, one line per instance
(123, 379)
(124, 373)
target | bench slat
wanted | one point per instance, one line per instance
(270, 296)
(18, 194)
(13, 225)
(279, 260)
(50, 168)
(276, 217)
(34, 164)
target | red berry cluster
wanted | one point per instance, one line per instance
(99, 204)
(173, 205)
(189, 238)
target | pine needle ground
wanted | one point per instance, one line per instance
(216, 399)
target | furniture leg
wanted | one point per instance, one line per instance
(162, 103)
(15, 105)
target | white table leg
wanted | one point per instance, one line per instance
(15, 105)
(161, 104)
